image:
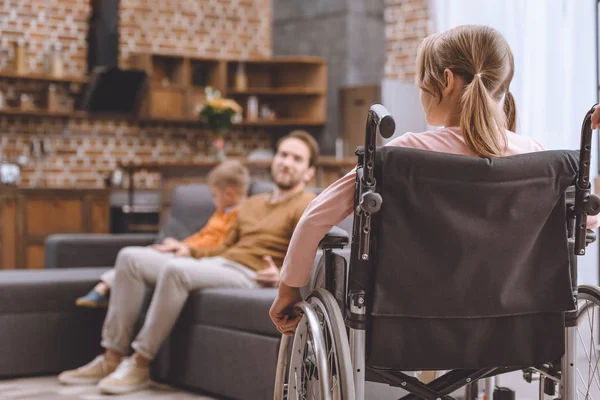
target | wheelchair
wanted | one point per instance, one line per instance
(459, 264)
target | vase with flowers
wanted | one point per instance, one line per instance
(218, 114)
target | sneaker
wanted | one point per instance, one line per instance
(93, 299)
(130, 376)
(89, 374)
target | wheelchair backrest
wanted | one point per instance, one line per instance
(477, 236)
(469, 256)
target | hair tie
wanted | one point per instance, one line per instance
(478, 74)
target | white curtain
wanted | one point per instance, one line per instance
(554, 44)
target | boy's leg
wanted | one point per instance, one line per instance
(109, 277)
(136, 268)
(98, 296)
(180, 276)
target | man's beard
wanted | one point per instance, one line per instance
(287, 184)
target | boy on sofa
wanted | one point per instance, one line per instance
(250, 257)
(228, 182)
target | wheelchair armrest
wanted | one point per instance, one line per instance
(336, 238)
(590, 237)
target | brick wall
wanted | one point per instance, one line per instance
(406, 24)
(219, 28)
(41, 23)
(81, 153)
(78, 152)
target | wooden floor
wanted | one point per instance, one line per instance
(48, 388)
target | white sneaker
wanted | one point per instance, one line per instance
(90, 374)
(129, 376)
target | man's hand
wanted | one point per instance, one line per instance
(269, 276)
(284, 313)
(596, 118)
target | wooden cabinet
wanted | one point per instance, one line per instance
(28, 216)
(8, 227)
(294, 88)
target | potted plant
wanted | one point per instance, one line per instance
(218, 114)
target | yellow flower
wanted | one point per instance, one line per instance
(224, 104)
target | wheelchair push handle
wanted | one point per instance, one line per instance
(586, 203)
(383, 119)
(367, 201)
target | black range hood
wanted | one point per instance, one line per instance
(111, 90)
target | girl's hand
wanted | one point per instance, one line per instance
(284, 313)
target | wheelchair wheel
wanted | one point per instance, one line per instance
(588, 349)
(308, 375)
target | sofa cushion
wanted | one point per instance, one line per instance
(241, 309)
(49, 290)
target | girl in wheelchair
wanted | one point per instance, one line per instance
(464, 76)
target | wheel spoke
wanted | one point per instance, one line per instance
(587, 383)
(330, 332)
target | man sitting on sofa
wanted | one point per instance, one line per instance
(228, 183)
(250, 257)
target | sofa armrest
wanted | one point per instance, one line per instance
(336, 238)
(89, 250)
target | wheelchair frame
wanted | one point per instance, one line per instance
(367, 202)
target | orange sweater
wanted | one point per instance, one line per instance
(214, 232)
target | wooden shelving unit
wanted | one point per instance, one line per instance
(43, 77)
(42, 113)
(39, 110)
(293, 87)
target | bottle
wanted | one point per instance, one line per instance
(2, 102)
(19, 57)
(56, 61)
(252, 109)
(241, 80)
(52, 98)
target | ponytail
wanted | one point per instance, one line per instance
(481, 123)
(510, 110)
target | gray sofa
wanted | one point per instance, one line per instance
(223, 342)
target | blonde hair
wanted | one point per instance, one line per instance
(229, 173)
(483, 58)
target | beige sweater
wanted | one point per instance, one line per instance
(260, 229)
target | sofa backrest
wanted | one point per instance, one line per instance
(192, 206)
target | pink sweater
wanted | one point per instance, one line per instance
(336, 202)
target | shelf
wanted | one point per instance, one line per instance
(155, 166)
(285, 60)
(247, 124)
(43, 77)
(42, 113)
(282, 122)
(284, 91)
(170, 120)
